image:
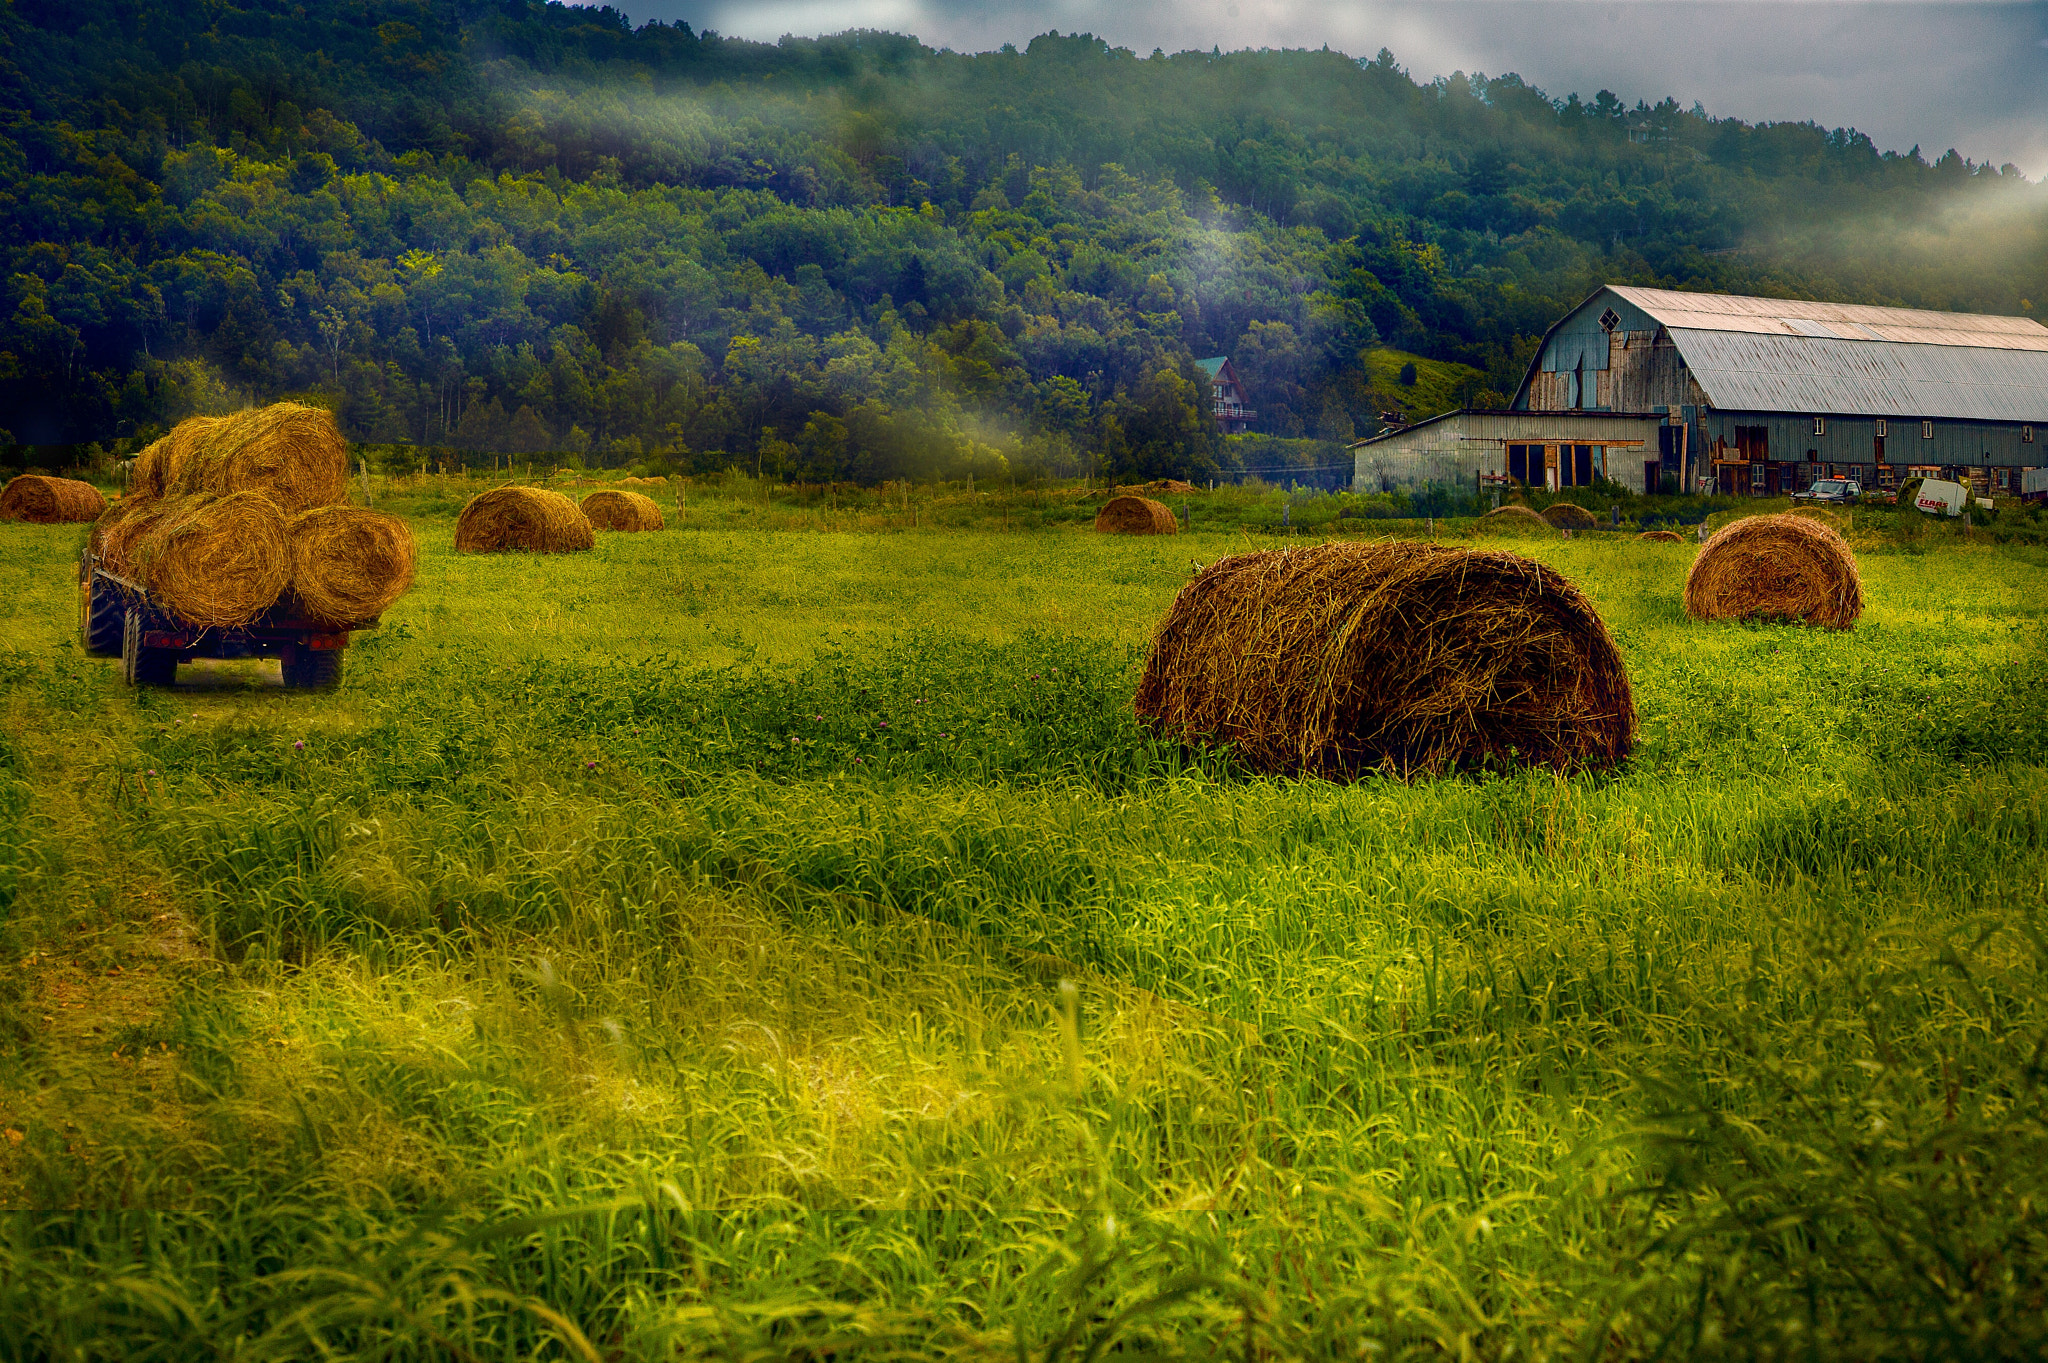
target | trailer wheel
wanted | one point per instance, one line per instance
(311, 669)
(144, 666)
(101, 617)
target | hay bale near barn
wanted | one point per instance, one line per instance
(1512, 520)
(529, 518)
(1135, 516)
(609, 510)
(214, 561)
(1779, 567)
(50, 501)
(1409, 656)
(1662, 537)
(348, 564)
(291, 453)
(1566, 516)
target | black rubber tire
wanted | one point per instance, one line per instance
(311, 669)
(102, 617)
(144, 666)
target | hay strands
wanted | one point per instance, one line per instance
(630, 511)
(522, 518)
(1129, 515)
(348, 564)
(42, 500)
(1778, 567)
(1410, 657)
(214, 561)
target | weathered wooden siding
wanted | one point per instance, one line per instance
(1455, 448)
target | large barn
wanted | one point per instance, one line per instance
(1766, 395)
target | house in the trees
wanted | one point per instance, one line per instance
(1226, 396)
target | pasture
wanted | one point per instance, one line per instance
(766, 942)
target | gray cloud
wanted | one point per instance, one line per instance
(1973, 76)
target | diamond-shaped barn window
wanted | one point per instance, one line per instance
(1609, 320)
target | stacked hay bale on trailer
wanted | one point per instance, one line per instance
(348, 563)
(1411, 657)
(233, 543)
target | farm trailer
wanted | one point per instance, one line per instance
(117, 618)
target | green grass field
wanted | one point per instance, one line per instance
(755, 941)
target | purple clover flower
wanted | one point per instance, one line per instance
(298, 745)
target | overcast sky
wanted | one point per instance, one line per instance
(1973, 76)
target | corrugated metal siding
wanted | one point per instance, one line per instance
(1749, 372)
(1853, 440)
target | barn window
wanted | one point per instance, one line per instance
(1880, 428)
(2026, 435)
(1820, 425)
(1927, 430)
(1609, 320)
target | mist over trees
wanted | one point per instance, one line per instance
(509, 229)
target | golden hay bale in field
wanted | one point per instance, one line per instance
(1779, 567)
(214, 561)
(291, 453)
(609, 510)
(47, 501)
(1662, 537)
(1135, 516)
(529, 518)
(1566, 516)
(654, 480)
(349, 564)
(1419, 657)
(1512, 520)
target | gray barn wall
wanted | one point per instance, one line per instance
(1458, 447)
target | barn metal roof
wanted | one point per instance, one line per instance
(1834, 321)
(1840, 359)
(1762, 372)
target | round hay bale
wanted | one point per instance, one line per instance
(48, 501)
(162, 460)
(529, 518)
(215, 561)
(119, 529)
(1135, 516)
(1512, 520)
(291, 453)
(608, 510)
(1779, 567)
(1418, 657)
(1566, 516)
(349, 564)
(1662, 536)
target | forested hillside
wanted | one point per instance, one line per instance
(513, 228)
